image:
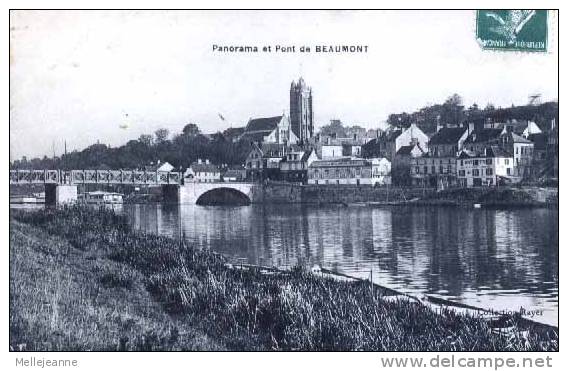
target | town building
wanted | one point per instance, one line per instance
(381, 170)
(294, 166)
(349, 170)
(491, 166)
(160, 167)
(448, 141)
(388, 144)
(522, 150)
(541, 165)
(202, 172)
(434, 171)
(523, 128)
(301, 111)
(332, 146)
(331, 151)
(437, 168)
(263, 161)
(275, 130)
(553, 147)
(235, 173)
(479, 139)
(402, 162)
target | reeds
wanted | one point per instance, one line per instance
(244, 309)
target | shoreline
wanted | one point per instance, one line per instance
(87, 263)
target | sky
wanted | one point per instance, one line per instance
(85, 76)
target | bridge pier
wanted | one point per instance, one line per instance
(171, 193)
(59, 194)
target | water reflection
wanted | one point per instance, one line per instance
(497, 259)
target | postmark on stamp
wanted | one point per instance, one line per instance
(516, 30)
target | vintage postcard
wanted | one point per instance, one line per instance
(268, 180)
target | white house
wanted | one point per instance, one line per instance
(485, 168)
(331, 150)
(380, 170)
(202, 172)
(161, 167)
(347, 170)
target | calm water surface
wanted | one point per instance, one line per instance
(499, 259)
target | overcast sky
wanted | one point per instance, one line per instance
(77, 75)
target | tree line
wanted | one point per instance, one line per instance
(180, 150)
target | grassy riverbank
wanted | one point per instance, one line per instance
(80, 279)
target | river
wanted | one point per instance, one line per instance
(497, 259)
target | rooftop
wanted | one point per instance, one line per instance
(262, 124)
(484, 135)
(490, 151)
(447, 136)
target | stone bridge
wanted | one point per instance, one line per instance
(191, 192)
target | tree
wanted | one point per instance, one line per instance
(454, 100)
(191, 130)
(162, 135)
(146, 139)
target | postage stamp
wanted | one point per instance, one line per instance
(516, 30)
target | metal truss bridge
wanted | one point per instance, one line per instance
(75, 177)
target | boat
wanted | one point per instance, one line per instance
(30, 198)
(102, 197)
(26, 200)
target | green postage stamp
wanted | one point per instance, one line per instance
(518, 30)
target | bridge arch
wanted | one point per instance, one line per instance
(223, 196)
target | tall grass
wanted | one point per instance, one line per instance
(245, 309)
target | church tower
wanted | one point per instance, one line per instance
(301, 110)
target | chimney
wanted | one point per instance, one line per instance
(470, 128)
(199, 161)
(207, 161)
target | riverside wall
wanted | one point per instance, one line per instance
(345, 194)
(348, 194)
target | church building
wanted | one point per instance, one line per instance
(301, 111)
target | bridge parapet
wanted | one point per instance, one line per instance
(134, 177)
(34, 176)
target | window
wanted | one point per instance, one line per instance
(488, 161)
(475, 162)
(488, 171)
(417, 169)
(508, 171)
(475, 172)
(517, 150)
(425, 169)
(433, 169)
(462, 173)
(506, 161)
